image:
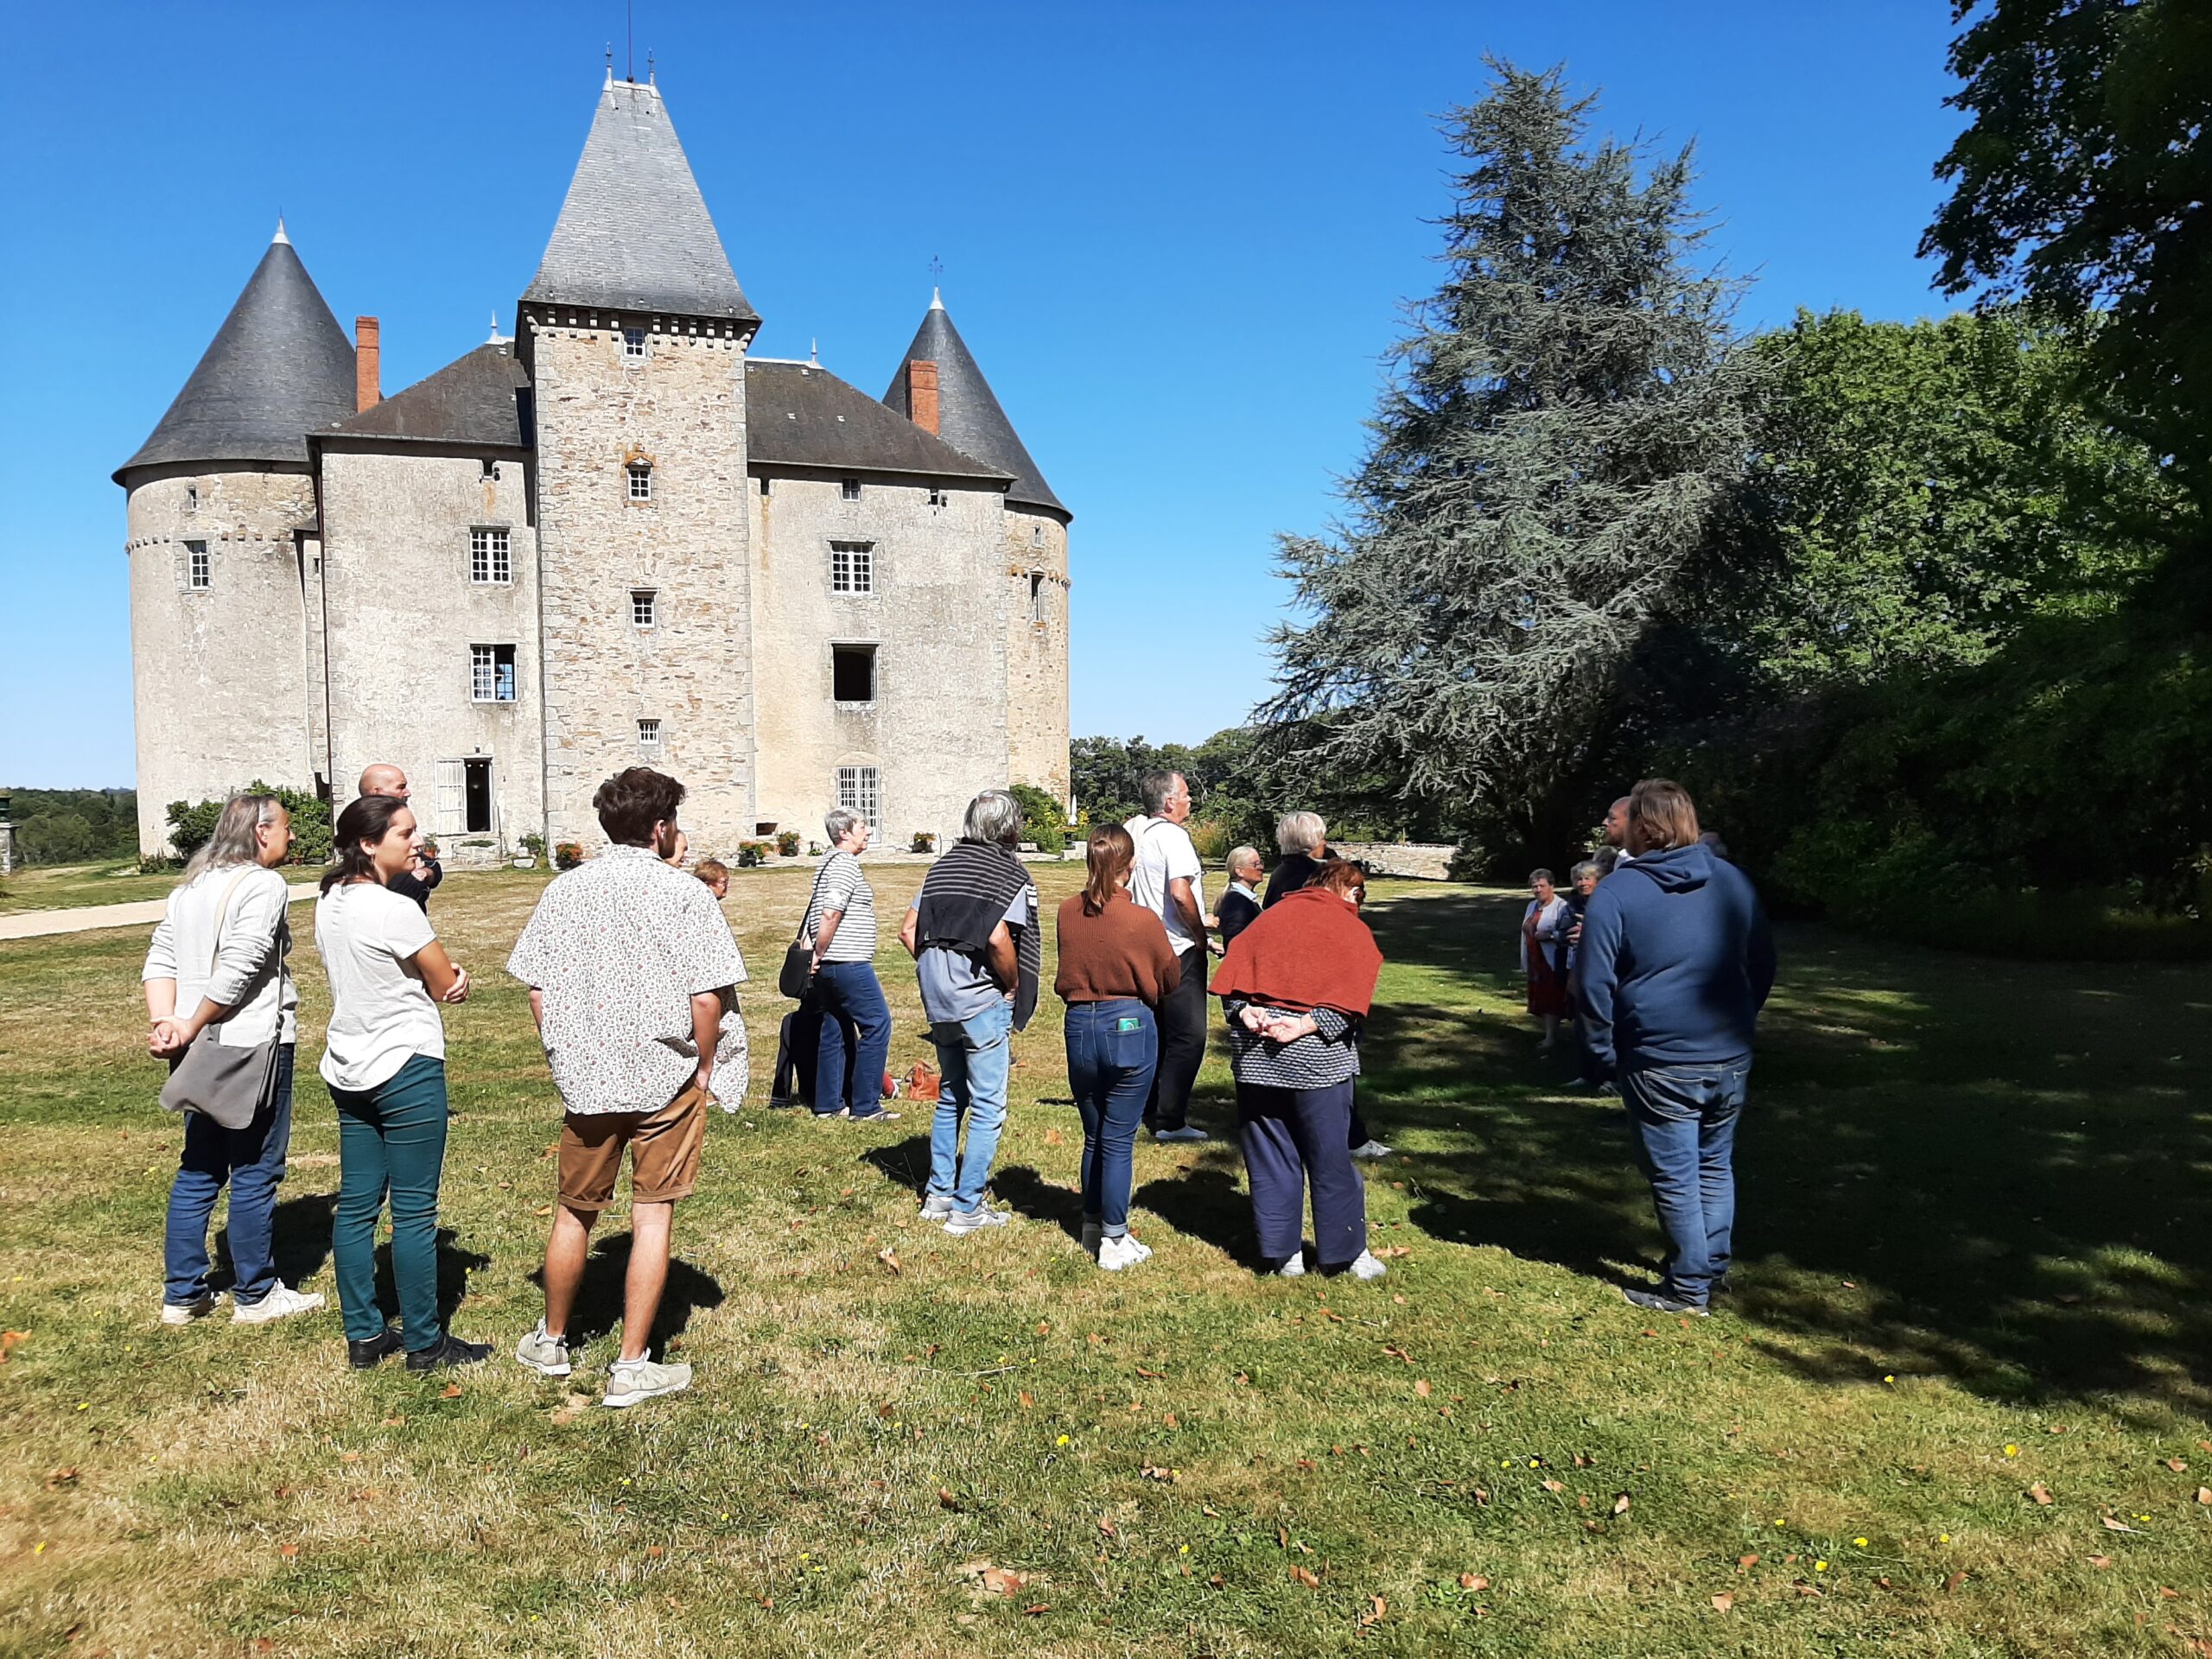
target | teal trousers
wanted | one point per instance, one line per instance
(391, 1139)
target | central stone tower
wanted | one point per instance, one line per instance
(634, 333)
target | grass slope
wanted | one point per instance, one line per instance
(1975, 1264)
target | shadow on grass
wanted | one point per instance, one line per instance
(1994, 1171)
(599, 1301)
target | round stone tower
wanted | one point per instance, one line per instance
(221, 500)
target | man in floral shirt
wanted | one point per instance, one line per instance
(631, 971)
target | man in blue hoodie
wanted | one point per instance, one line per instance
(1675, 964)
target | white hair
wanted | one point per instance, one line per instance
(838, 823)
(1240, 856)
(1301, 832)
(994, 815)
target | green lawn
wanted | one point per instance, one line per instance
(66, 886)
(1976, 1258)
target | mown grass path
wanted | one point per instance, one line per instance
(1975, 1201)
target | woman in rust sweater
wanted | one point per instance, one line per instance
(1115, 965)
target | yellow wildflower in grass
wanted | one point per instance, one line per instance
(1861, 1542)
(1819, 1566)
(2011, 1451)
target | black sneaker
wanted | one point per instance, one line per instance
(365, 1356)
(1651, 1300)
(449, 1349)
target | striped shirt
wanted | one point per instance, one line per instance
(1330, 1055)
(841, 887)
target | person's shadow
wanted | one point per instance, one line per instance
(1204, 1203)
(903, 1163)
(599, 1299)
(1038, 1199)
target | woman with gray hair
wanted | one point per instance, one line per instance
(219, 951)
(1303, 840)
(856, 1019)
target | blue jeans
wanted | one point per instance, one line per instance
(251, 1161)
(974, 1056)
(1684, 1122)
(855, 1022)
(390, 1139)
(1113, 1049)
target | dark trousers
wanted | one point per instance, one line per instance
(391, 1139)
(1182, 1045)
(1113, 1051)
(855, 1039)
(1295, 1138)
(1685, 1121)
(251, 1161)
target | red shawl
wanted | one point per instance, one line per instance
(1309, 950)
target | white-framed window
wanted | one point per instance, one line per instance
(491, 673)
(199, 569)
(490, 560)
(649, 735)
(633, 345)
(192, 498)
(936, 496)
(641, 480)
(851, 673)
(1036, 596)
(645, 607)
(860, 789)
(452, 798)
(848, 489)
(852, 567)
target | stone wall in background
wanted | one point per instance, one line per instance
(1419, 861)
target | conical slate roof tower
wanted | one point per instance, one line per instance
(968, 413)
(634, 233)
(280, 367)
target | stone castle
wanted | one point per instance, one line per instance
(614, 539)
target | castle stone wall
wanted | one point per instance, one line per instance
(219, 682)
(1035, 583)
(936, 729)
(403, 612)
(683, 410)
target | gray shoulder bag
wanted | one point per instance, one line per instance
(228, 1083)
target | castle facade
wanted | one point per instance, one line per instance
(615, 538)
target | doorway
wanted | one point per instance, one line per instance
(476, 796)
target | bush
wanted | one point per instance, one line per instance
(924, 842)
(787, 843)
(191, 823)
(1044, 820)
(1212, 837)
(534, 845)
(567, 855)
(159, 863)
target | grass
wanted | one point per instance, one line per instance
(1976, 1260)
(66, 887)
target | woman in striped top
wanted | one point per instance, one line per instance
(856, 1019)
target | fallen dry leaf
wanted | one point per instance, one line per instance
(1141, 1371)
(1026, 1398)
(1620, 1504)
(2100, 1561)
(1106, 1526)
(1723, 1602)
(2204, 1494)
(1170, 1421)
(2170, 1595)
(1474, 1582)
(1044, 1327)
(2113, 1525)
(2040, 1492)
(1554, 1485)
(8, 1341)
(542, 1210)
(1807, 1590)
(1951, 1584)
(1153, 1472)
(2176, 1465)
(1421, 1388)
(1300, 1575)
(889, 1257)
(1397, 1353)
(1054, 1137)
(946, 1500)
(452, 1392)
(1037, 1609)
(1751, 1560)
(61, 1477)
(288, 1551)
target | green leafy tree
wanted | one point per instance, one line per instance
(1565, 417)
(191, 823)
(2083, 182)
(1044, 820)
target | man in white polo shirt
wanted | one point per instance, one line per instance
(1169, 881)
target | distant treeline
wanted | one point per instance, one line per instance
(75, 826)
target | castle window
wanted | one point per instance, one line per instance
(198, 571)
(848, 489)
(649, 734)
(851, 673)
(852, 567)
(641, 480)
(860, 789)
(491, 471)
(764, 482)
(192, 498)
(1036, 596)
(936, 496)
(633, 345)
(490, 560)
(1036, 535)
(492, 673)
(645, 607)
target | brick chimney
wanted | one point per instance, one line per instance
(921, 393)
(368, 384)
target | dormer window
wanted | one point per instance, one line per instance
(849, 489)
(633, 345)
(641, 480)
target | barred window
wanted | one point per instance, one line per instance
(641, 480)
(645, 607)
(860, 790)
(489, 559)
(649, 734)
(492, 673)
(199, 572)
(852, 567)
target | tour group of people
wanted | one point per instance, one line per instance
(633, 974)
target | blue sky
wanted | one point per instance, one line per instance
(1175, 236)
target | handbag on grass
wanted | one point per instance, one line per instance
(798, 977)
(228, 1083)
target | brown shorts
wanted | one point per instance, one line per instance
(664, 1153)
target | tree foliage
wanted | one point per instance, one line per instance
(2083, 182)
(1565, 415)
(70, 826)
(193, 823)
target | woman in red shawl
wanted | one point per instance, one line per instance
(1297, 985)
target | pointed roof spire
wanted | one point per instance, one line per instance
(280, 236)
(634, 233)
(969, 416)
(279, 367)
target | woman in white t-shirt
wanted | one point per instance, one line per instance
(385, 1059)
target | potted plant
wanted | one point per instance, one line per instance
(567, 855)
(924, 842)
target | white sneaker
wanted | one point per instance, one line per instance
(1092, 1234)
(186, 1312)
(545, 1354)
(1293, 1269)
(963, 1222)
(1115, 1254)
(1371, 1149)
(628, 1383)
(1364, 1265)
(936, 1206)
(1186, 1133)
(279, 1304)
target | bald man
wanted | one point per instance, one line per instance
(385, 778)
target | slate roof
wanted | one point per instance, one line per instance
(969, 416)
(476, 400)
(280, 367)
(801, 415)
(634, 233)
